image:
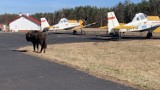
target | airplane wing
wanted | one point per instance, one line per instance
(125, 27)
(49, 27)
(153, 18)
(104, 27)
(81, 26)
(157, 30)
(89, 24)
(154, 29)
(119, 27)
(76, 28)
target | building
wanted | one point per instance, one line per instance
(3, 27)
(24, 23)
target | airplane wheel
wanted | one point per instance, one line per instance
(74, 32)
(149, 35)
(82, 32)
(116, 34)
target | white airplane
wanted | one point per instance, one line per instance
(139, 23)
(65, 24)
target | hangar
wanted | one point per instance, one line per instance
(24, 23)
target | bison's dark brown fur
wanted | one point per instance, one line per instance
(37, 38)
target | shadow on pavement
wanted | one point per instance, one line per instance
(20, 50)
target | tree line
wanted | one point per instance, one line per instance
(124, 11)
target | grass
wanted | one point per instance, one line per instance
(135, 62)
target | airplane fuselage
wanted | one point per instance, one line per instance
(139, 23)
(65, 26)
(142, 25)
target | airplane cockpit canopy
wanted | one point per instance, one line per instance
(63, 20)
(139, 16)
(143, 16)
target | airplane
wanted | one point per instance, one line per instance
(139, 23)
(65, 24)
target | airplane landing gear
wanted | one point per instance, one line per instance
(74, 32)
(117, 35)
(82, 32)
(149, 35)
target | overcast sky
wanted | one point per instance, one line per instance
(37, 6)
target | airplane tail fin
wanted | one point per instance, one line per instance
(44, 23)
(112, 21)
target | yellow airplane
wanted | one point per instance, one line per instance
(65, 24)
(139, 23)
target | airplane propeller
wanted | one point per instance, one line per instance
(84, 20)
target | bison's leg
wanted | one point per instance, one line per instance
(34, 45)
(45, 46)
(44, 51)
(41, 48)
(37, 47)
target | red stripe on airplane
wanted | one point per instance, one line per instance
(43, 20)
(110, 18)
(145, 22)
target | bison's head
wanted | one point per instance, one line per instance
(28, 36)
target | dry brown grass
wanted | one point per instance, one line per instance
(137, 61)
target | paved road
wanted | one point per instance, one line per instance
(23, 72)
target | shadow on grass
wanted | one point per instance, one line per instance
(124, 38)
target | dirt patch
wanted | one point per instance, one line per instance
(136, 62)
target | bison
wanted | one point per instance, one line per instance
(37, 38)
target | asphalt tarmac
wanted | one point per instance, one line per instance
(19, 71)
